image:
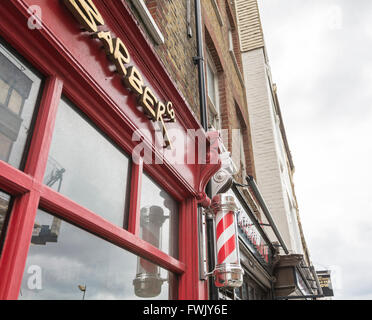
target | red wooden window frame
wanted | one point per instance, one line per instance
(30, 193)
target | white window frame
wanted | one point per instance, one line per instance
(218, 12)
(213, 106)
(149, 21)
(242, 156)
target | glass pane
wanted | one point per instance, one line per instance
(19, 92)
(159, 217)
(245, 291)
(211, 84)
(86, 167)
(67, 263)
(4, 206)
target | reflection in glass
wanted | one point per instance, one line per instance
(86, 167)
(76, 265)
(159, 217)
(19, 90)
(148, 281)
(4, 206)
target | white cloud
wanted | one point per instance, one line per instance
(320, 58)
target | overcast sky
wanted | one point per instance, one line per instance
(320, 54)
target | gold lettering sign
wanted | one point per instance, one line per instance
(90, 18)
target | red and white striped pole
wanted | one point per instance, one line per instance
(228, 272)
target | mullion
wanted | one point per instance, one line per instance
(16, 244)
(68, 210)
(135, 197)
(44, 127)
(22, 216)
(13, 181)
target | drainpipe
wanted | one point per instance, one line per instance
(199, 61)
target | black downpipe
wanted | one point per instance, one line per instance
(199, 61)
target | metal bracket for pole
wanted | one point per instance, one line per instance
(197, 59)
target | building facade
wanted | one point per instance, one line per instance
(112, 180)
(272, 156)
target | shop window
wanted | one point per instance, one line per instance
(4, 208)
(255, 291)
(20, 87)
(67, 263)
(86, 167)
(244, 291)
(159, 217)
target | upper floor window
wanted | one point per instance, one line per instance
(19, 91)
(147, 11)
(230, 36)
(213, 94)
(242, 156)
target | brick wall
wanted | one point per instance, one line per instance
(233, 105)
(178, 49)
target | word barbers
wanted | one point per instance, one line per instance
(89, 17)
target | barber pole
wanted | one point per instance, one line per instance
(226, 238)
(228, 272)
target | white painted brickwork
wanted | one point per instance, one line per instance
(266, 156)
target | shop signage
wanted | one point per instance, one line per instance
(325, 283)
(90, 18)
(252, 236)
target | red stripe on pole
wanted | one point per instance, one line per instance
(226, 249)
(224, 223)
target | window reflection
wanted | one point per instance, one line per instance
(19, 90)
(74, 264)
(86, 167)
(159, 217)
(4, 208)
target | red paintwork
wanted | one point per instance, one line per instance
(73, 62)
(135, 198)
(39, 149)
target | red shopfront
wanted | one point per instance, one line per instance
(75, 207)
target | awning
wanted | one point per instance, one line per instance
(295, 280)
